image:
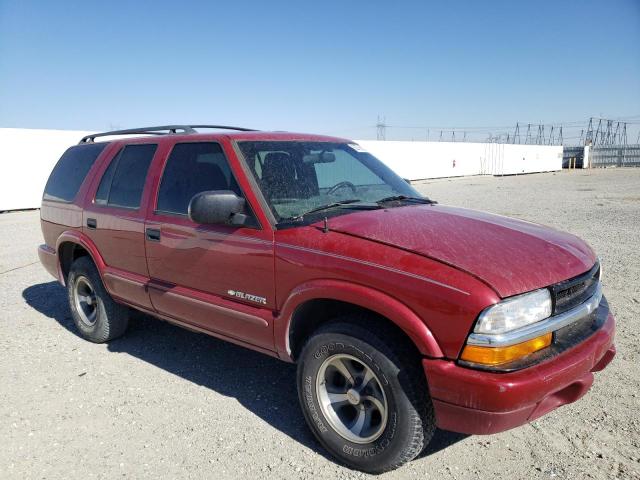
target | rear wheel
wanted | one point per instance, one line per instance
(364, 398)
(96, 315)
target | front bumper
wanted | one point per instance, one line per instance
(482, 402)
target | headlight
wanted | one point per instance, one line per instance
(515, 312)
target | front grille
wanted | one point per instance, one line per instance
(573, 292)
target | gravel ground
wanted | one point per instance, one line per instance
(163, 402)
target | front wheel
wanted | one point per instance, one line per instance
(363, 397)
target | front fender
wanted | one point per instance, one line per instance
(365, 297)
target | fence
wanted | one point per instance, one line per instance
(573, 157)
(615, 156)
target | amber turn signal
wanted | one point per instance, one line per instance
(500, 355)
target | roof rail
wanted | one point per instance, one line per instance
(225, 127)
(162, 130)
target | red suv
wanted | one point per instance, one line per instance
(403, 315)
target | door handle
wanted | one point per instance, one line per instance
(153, 234)
(92, 223)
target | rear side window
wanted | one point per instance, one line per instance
(70, 171)
(123, 181)
(193, 168)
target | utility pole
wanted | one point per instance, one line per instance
(381, 129)
(560, 139)
(528, 137)
(516, 134)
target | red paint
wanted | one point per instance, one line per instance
(504, 252)
(471, 401)
(429, 269)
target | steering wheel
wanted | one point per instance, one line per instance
(340, 185)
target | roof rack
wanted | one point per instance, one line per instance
(162, 130)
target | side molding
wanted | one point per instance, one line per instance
(365, 297)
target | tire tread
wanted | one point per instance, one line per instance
(402, 353)
(114, 317)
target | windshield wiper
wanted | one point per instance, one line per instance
(407, 198)
(328, 206)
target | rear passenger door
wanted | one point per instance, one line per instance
(216, 277)
(114, 220)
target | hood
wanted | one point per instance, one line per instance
(512, 256)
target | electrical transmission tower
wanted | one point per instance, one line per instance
(381, 129)
(616, 133)
(527, 140)
(598, 135)
(605, 133)
(540, 135)
(609, 135)
(516, 134)
(588, 140)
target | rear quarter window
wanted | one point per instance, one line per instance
(123, 182)
(70, 171)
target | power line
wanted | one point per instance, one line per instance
(598, 131)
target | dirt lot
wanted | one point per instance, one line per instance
(167, 403)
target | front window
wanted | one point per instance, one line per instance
(297, 176)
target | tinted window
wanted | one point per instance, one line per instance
(70, 171)
(102, 195)
(123, 181)
(193, 168)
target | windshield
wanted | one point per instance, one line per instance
(296, 176)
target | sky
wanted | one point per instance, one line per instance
(321, 67)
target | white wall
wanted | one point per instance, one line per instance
(419, 160)
(26, 159)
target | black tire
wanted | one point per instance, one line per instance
(110, 319)
(410, 420)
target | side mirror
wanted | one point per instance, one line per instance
(217, 207)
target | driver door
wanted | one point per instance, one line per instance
(218, 278)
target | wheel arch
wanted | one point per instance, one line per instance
(72, 245)
(314, 303)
